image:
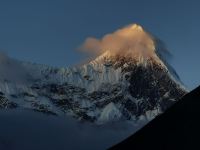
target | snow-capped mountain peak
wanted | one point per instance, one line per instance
(128, 80)
(134, 44)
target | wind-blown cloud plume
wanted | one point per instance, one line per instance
(131, 39)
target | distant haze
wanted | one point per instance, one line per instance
(27, 130)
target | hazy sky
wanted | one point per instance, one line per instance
(49, 31)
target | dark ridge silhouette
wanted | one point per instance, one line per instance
(177, 129)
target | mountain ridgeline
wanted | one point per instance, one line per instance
(129, 84)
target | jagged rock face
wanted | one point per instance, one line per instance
(148, 87)
(4, 102)
(154, 86)
(136, 90)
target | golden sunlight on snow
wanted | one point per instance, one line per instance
(132, 41)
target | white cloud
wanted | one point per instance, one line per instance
(130, 40)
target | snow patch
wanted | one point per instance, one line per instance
(110, 113)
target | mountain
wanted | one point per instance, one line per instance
(177, 128)
(134, 83)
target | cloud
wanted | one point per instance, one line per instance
(4, 59)
(130, 40)
(11, 69)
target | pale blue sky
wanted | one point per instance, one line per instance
(49, 31)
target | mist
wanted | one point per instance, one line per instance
(11, 69)
(22, 129)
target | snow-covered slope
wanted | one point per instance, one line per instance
(110, 112)
(120, 85)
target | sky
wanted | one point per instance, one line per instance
(49, 31)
